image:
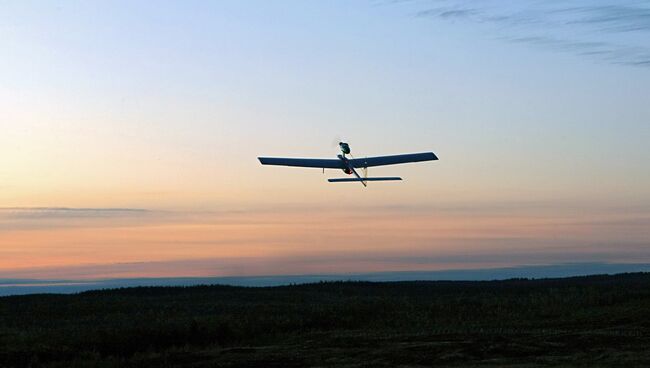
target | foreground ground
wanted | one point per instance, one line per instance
(596, 321)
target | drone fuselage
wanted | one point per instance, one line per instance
(347, 168)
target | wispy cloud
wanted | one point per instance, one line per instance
(350, 262)
(30, 218)
(67, 212)
(612, 31)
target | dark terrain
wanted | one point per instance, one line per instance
(595, 321)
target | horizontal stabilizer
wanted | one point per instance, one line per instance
(342, 180)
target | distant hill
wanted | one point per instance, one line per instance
(588, 321)
(33, 286)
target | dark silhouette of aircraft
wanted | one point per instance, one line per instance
(348, 165)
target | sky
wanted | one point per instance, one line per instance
(129, 132)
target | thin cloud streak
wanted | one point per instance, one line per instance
(615, 32)
(66, 212)
(328, 264)
(36, 218)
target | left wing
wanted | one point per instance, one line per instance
(392, 160)
(303, 162)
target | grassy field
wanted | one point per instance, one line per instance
(595, 321)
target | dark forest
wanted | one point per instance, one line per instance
(588, 321)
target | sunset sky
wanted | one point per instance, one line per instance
(129, 132)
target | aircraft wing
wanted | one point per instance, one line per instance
(303, 162)
(392, 160)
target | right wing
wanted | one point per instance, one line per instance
(392, 160)
(303, 162)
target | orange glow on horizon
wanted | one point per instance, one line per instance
(298, 241)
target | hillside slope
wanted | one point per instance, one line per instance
(582, 321)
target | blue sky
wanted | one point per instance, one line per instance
(539, 108)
